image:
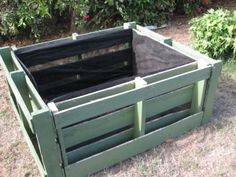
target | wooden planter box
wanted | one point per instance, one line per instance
(84, 133)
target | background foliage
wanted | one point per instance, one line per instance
(38, 17)
(214, 34)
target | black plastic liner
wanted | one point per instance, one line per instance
(69, 68)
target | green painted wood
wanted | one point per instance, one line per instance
(146, 31)
(139, 111)
(28, 141)
(166, 120)
(91, 129)
(97, 107)
(5, 60)
(109, 142)
(129, 25)
(47, 139)
(34, 95)
(97, 127)
(17, 78)
(99, 146)
(114, 155)
(168, 101)
(197, 56)
(62, 147)
(168, 41)
(96, 95)
(15, 62)
(210, 92)
(125, 86)
(198, 96)
(170, 73)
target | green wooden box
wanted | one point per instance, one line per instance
(82, 135)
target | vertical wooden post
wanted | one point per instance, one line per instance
(74, 37)
(210, 92)
(45, 131)
(198, 93)
(129, 25)
(168, 41)
(140, 111)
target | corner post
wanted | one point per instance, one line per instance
(47, 139)
(210, 92)
(140, 111)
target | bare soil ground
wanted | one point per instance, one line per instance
(209, 150)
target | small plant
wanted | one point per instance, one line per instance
(214, 34)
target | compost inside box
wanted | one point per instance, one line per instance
(68, 68)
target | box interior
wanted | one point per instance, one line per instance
(65, 69)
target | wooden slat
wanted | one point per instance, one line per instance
(125, 86)
(131, 148)
(171, 72)
(97, 127)
(99, 146)
(193, 53)
(166, 120)
(20, 100)
(96, 95)
(100, 106)
(168, 101)
(109, 142)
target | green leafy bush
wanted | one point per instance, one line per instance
(26, 16)
(214, 34)
(110, 12)
(36, 17)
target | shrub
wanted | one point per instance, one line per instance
(35, 17)
(214, 34)
(113, 12)
(25, 16)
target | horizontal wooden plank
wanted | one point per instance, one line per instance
(109, 142)
(168, 101)
(81, 132)
(114, 155)
(99, 146)
(166, 120)
(97, 127)
(96, 95)
(193, 53)
(125, 86)
(100, 106)
(171, 72)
